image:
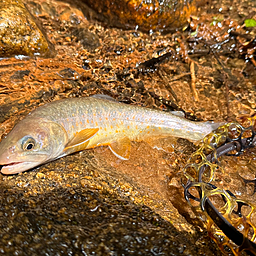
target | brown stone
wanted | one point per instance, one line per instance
(144, 15)
(19, 32)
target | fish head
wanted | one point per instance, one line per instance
(32, 141)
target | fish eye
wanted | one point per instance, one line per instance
(28, 143)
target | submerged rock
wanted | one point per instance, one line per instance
(88, 40)
(19, 32)
(144, 15)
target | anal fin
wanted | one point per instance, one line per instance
(121, 148)
(166, 144)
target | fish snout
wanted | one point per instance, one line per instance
(6, 151)
(5, 157)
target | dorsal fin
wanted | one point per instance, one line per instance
(178, 113)
(121, 148)
(81, 137)
(104, 97)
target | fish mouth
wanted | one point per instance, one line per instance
(16, 167)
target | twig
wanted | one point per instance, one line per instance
(193, 80)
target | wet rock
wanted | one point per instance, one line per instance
(144, 15)
(19, 33)
(88, 40)
(19, 75)
(69, 73)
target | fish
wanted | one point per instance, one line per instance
(62, 127)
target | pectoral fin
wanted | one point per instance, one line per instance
(80, 139)
(121, 148)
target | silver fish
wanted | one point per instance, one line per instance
(62, 127)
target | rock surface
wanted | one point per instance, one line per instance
(19, 32)
(143, 15)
